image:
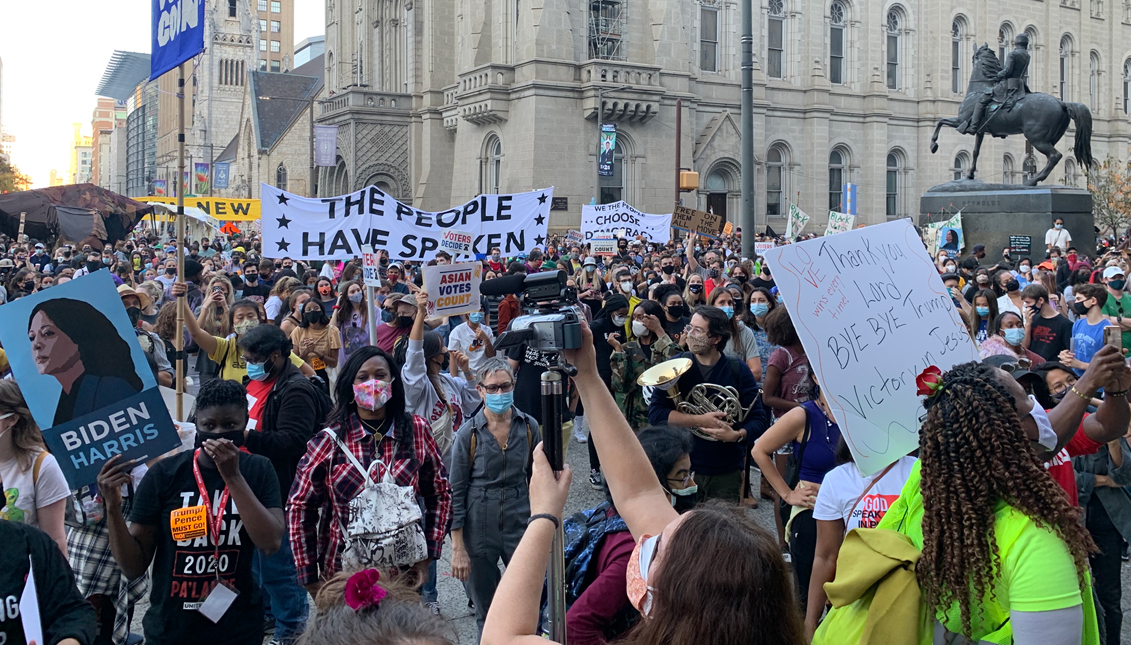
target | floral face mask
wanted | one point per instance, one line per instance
(372, 394)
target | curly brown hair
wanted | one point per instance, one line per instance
(974, 453)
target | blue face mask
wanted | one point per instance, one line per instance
(257, 371)
(729, 311)
(387, 316)
(499, 403)
(475, 317)
(759, 308)
(983, 311)
(1014, 336)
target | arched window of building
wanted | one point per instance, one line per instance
(1093, 82)
(775, 181)
(961, 164)
(957, 36)
(1069, 172)
(894, 42)
(281, 177)
(1004, 41)
(837, 167)
(1065, 66)
(1127, 86)
(716, 189)
(492, 166)
(893, 185)
(775, 43)
(612, 187)
(1007, 169)
(837, 24)
(1029, 167)
(1031, 32)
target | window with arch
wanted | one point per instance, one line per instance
(961, 165)
(1093, 81)
(492, 166)
(775, 180)
(837, 167)
(775, 44)
(1127, 86)
(1069, 172)
(708, 39)
(717, 191)
(1032, 34)
(1007, 169)
(893, 185)
(957, 35)
(281, 177)
(613, 187)
(1004, 41)
(894, 25)
(837, 24)
(1065, 66)
(1029, 167)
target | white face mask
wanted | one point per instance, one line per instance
(1045, 435)
(638, 328)
(5, 416)
(619, 320)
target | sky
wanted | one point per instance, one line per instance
(54, 55)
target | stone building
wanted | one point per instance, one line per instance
(442, 102)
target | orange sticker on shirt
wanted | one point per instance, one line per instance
(188, 523)
(317, 363)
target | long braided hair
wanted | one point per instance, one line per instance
(974, 452)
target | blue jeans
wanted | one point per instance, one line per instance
(428, 592)
(278, 579)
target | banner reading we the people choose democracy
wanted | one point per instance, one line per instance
(332, 228)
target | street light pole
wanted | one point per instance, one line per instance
(310, 186)
(746, 218)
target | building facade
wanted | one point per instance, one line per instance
(81, 157)
(276, 20)
(499, 95)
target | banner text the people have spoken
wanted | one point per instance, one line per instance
(337, 227)
(872, 313)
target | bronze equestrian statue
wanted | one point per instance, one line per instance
(999, 103)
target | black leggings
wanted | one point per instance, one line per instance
(802, 548)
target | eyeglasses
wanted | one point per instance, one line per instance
(686, 481)
(498, 389)
(692, 330)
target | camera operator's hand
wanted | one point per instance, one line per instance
(584, 358)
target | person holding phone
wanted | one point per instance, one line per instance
(1087, 331)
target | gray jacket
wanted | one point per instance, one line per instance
(1116, 501)
(493, 468)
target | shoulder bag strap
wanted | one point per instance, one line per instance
(870, 485)
(35, 469)
(350, 456)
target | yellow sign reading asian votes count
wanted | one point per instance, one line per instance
(225, 210)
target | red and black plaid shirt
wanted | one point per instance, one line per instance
(327, 481)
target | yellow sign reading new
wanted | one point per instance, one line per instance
(225, 210)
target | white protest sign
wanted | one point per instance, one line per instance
(872, 313)
(603, 247)
(29, 608)
(797, 221)
(370, 262)
(452, 288)
(621, 220)
(457, 242)
(335, 228)
(761, 247)
(839, 222)
(574, 236)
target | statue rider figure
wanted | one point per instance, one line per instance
(1010, 83)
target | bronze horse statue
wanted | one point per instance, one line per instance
(1042, 118)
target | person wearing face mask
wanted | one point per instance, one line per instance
(981, 316)
(715, 277)
(1007, 337)
(1025, 273)
(490, 469)
(675, 318)
(495, 261)
(235, 490)
(743, 345)
(316, 341)
(1118, 305)
(474, 339)
(1057, 237)
(693, 292)
(286, 409)
(1009, 290)
(591, 285)
(350, 318)
(151, 344)
(1050, 332)
(650, 345)
(397, 315)
(1088, 330)
(369, 430)
(254, 289)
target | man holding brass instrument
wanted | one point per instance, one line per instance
(717, 397)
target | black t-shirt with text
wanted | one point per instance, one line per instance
(258, 293)
(185, 572)
(528, 380)
(1050, 336)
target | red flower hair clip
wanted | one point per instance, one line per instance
(363, 591)
(929, 382)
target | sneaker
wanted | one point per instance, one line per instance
(596, 480)
(579, 428)
(434, 607)
(268, 624)
(1123, 553)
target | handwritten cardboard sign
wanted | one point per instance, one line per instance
(689, 219)
(872, 313)
(453, 289)
(839, 222)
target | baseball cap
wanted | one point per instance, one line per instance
(6, 264)
(39, 245)
(1111, 272)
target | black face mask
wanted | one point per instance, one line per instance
(1080, 308)
(404, 321)
(251, 278)
(135, 315)
(91, 267)
(669, 269)
(384, 261)
(313, 317)
(741, 279)
(29, 285)
(170, 271)
(1012, 285)
(695, 288)
(677, 311)
(713, 273)
(235, 436)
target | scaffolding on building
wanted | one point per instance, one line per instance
(607, 20)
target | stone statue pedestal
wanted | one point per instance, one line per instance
(991, 213)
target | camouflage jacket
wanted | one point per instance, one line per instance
(627, 366)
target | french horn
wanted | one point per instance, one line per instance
(703, 398)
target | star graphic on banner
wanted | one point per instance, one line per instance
(283, 221)
(283, 244)
(283, 198)
(542, 199)
(538, 240)
(540, 220)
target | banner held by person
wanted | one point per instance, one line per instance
(839, 222)
(85, 377)
(872, 313)
(622, 220)
(797, 221)
(701, 222)
(946, 236)
(335, 228)
(453, 289)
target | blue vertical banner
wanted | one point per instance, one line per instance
(848, 199)
(178, 34)
(220, 175)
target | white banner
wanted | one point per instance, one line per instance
(839, 222)
(797, 221)
(622, 220)
(872, 313)
(370, 263)
(453, 289)
(335, 228)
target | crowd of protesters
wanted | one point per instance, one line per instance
(341, 464)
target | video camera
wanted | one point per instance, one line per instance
(555, 326)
